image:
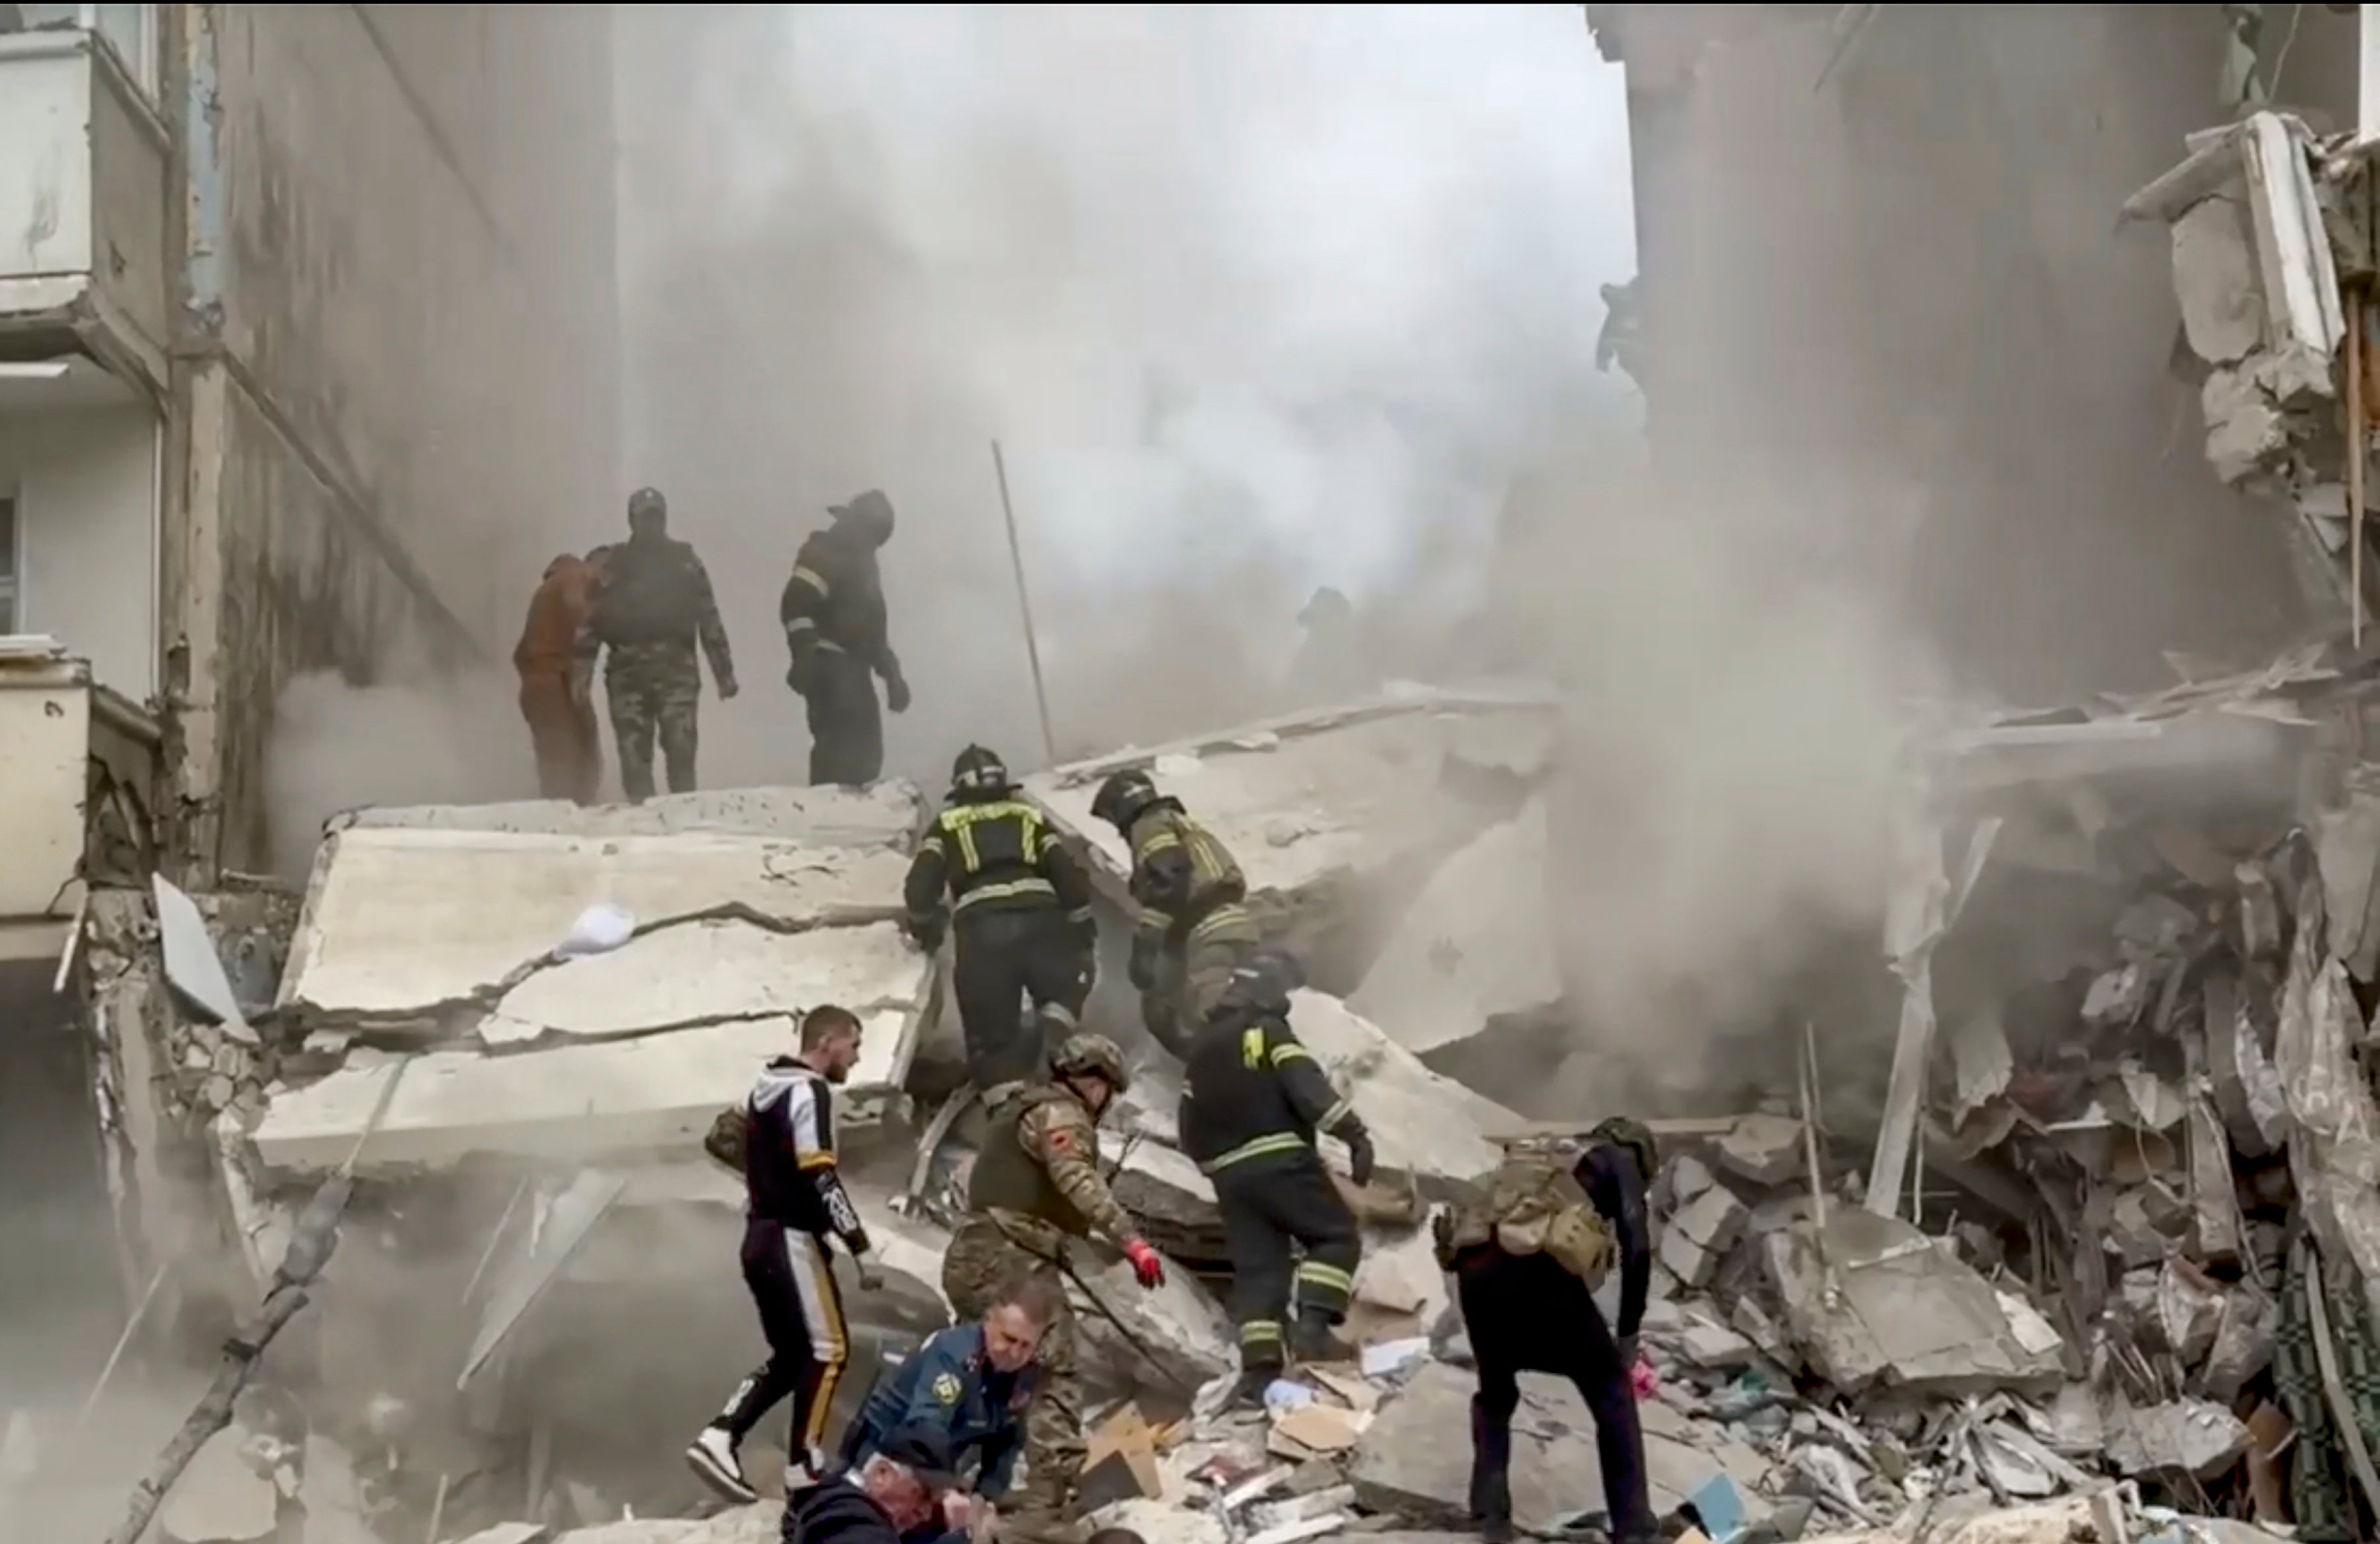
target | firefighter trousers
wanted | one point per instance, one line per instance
(1191, 978)
(1267, 1219)
(846, 724)
(1525, 1313)
(1002, 959)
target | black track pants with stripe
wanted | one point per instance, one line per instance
(792, 1284)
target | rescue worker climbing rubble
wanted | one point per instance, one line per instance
(555, 660)
(655, 606)
(1527, 1249)
(832, 611)
(1035, 1190)
(1255, 1101)
(1194, 924)
(1022, 911)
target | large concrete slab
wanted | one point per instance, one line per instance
(884, 814)
(656, 1093)
(403, 921)
(1474, 946)
(1422, 1123)
(1313, 805)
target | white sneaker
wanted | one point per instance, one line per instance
(713, 1458)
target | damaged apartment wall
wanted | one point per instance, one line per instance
(1897, 293)
(399, 276)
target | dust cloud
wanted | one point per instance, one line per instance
(1256, 299)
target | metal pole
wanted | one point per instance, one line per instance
(1024, 604)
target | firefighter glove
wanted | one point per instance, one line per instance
(1147, 1266)
(927, 931)
(1360, 1156)
(797, 675)
(727, 688)
(896, 691)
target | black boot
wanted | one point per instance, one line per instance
(1248, 1394)
(1491, 1475)
(1310, 1340)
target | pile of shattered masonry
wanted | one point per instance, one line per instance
(2144, 1137)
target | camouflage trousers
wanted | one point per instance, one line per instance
(653, 686)
(982, 1257)
(1190, 982)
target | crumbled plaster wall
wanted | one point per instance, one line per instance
(1902, 298)
(402, 238)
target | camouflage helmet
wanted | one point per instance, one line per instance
(1618, 1131)
(978, 771)
(646, 501)
(1123, 796)
(1087, 1053)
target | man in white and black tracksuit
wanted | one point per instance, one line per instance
(794, 1198)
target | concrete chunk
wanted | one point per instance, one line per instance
(1910, 1314)
(1766, 1149)
(1701, 1232)
(1421, 1124)
(2188, 1436)
(1473, 946)
(220, 1499)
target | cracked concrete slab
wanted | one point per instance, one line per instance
(1314, 806)
(1422, 1123)
(656, 1093)
(402, 922)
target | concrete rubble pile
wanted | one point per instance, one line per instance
(2103, 1148)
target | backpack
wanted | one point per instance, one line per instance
(730, 1134)
(1531, 1204)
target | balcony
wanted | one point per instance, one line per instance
(82, 201)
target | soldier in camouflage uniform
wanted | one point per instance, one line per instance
(656, 604)
(1036, 1185)
(1194, 928)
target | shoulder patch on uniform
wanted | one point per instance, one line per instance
(1059, 1138)
(946, 1388)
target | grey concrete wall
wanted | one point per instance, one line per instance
(400, 297)
(1909, 286)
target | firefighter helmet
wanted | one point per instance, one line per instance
(646, 501)
(978, 771)
(1087, 1053)
(1266, 978)
(1122, 798)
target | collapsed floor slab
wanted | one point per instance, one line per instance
(1314, 806)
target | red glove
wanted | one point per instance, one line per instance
(1147, 1267)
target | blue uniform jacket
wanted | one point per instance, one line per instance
(948, 1387)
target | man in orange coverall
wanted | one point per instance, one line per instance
(556, 660)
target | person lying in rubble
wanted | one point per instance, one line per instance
(968, 1386)
(894, 1495)
(1034, 1190)
(1195, 924)
(1253, 1103)
(1527, 1249)
(794, 1199)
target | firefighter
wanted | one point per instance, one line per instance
(1193, 925)
(1527, 1251)
(654, 606)
(1035, 1186)
(833, 610)
(555, 660)
(1254, 1101)
(1023, 916)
